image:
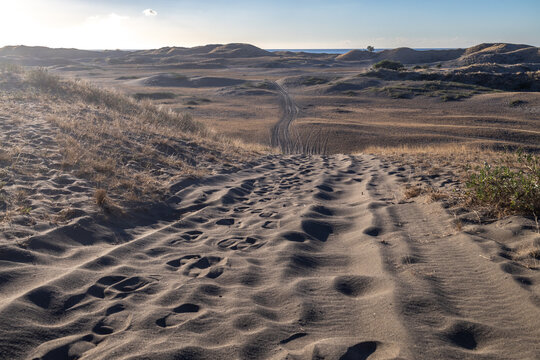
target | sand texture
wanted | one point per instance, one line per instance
(293, 257)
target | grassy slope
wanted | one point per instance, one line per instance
(132, 149)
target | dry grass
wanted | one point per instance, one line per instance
(527, 255)
(101, 197)
(132, 149)
(458, 163)
(448, 153)
(454, 160)
(412, 191)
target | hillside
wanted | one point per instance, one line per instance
(403, 55)
(500, 54)
(132, 150)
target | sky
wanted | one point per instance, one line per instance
(272, 24)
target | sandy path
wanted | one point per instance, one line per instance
(281, 136)
(295, 257)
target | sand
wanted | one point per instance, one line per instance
(293, 257)
(285, 257)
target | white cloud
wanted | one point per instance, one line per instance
(149, 12)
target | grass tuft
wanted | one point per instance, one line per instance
(100, 196)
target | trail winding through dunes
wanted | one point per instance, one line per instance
(281, 132)
(294, 257)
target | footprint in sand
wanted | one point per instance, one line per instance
(240, 243)
(199, 266)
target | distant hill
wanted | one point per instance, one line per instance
(500, 54)
(357, 55)
(239, 51)
(403, 55)
(411, 56)
(220, 56)
(479, 54)
(44, 56)
(42, 52)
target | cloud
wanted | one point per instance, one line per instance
(149, 12)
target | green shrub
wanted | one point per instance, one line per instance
(389, 64)
(509, 188)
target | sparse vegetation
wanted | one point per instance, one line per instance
(154, 96)
(133, 150)
(100, 196)
(128, 77)
(177, 76)
(370, 48)
(444, 90)
(517, 102)
(265, 85)
(389, 64)
(508, 188)
(313, 80)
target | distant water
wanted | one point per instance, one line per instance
(343, 51)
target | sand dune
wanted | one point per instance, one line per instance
(291, 256)
(239, 51)
(177, 80)
(255, 57)
(501, 54)
(404, 55)
(295, 257)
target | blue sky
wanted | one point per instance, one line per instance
(269, 24)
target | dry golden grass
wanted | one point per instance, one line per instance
(134, 150)
(527, 255)
(412, 191)
(101, 197)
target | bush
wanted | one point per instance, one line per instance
(514, 189)
(389, 64)
(43, 80)
(516, 103)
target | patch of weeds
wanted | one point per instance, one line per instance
(517, 102)
(312, 80)
(412, 191)
(100, 196)
(389, 64)
(131, 77)
(398, 93)
(196, 101)
(154, 96)
(177, 76)
(455, 96)
(265, 85)
(446, 91)
(25, 210)
(42, 79)
(508, 189)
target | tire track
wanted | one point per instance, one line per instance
(281, 132)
